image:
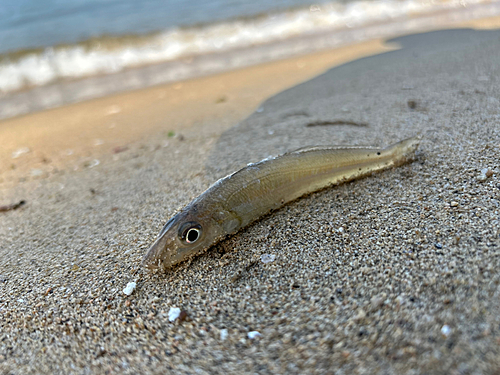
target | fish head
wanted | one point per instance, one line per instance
(185, 234)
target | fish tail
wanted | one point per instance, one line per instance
(403, 151)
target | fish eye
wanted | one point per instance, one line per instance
(190, 232)
(192, 235)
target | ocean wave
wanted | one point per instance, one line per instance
(24, 69)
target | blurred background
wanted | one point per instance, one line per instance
(49, 43)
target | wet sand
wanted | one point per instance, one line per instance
(396, 273)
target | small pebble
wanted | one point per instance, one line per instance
(93, 163)
(129, 289)
(221, 99)
(113, 110)
(19, 152)
(485, 174)
(267, 258)
(173, 314)
(119, 149)
(223, 334)
(377, 301)
(446, 330)
(346, 353)
(360, 316)
(253, 335)
(183, 316)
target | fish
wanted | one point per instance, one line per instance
(241, 198)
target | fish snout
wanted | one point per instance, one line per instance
(153, 259)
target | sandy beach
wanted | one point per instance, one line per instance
(396, 273)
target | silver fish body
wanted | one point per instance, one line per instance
(239, 199)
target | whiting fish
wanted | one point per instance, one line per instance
(235, 201)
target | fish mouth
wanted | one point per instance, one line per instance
(151, 265)
(153, 259)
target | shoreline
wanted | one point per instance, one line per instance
(67, 92)
(78, 134)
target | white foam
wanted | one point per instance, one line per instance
(77, 61)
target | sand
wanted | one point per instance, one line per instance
(393, 274)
